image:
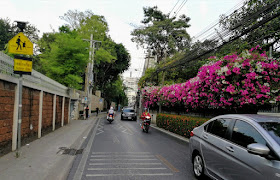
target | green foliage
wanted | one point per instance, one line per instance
(252, 13)
(114, 91)
(179, 124)
(9, 30)
(162, 34)
(101, 55)
(148, 79)
(64, 57)
(108, 71)
(5, 34)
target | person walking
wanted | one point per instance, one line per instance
(87, 112)
(97, 111)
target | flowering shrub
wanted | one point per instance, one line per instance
(181, 125)
(233, 81)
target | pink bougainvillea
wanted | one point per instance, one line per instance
(234, 80)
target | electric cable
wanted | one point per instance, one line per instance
(192, 58)
(181, 7)
(173, 7)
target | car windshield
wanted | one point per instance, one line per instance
(128, 110)
(273, 128)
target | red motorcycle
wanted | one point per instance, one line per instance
(146, 124)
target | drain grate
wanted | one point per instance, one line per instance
(72, 152)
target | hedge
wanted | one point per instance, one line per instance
(179, 124)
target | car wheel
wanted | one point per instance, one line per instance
(198, 166)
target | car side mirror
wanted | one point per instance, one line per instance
(258, 149)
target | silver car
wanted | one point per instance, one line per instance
(237, 147)
(128, 113)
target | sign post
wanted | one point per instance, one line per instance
(21, 45)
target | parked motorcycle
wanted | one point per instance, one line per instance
(110, 118)
(146, 124)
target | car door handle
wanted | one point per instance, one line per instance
(229, 148)
(205, 136)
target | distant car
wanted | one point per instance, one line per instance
(128, 113)
(237, 147)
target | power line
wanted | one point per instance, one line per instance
(179, 8)
(173, 7)
(192, 57)
(215, 23)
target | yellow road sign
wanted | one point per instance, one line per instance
(20, 44)
(23, 65)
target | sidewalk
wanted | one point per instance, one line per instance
(43, 159)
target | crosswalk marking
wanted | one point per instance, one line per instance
(121, 153)
(123, 159)
(158, 174)
(112, 156)
(95, 164)
(112, 164)
(100, 169)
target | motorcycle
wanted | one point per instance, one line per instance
(146, 124)
(110, 118)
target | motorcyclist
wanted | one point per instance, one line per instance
(111, 112)
(143, 116)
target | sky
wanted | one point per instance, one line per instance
(122, 17)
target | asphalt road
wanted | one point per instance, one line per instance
(121, 151)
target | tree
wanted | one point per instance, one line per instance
(64, 57)
(5, 33)
(108, 71)
(163, 34)
(8, 30)
(253, 12)
(115, 91)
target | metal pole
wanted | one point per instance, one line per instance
(270, 52)
(19, 111)
(91, 71)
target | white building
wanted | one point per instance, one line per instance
(132, 87)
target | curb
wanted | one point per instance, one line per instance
(170, 133)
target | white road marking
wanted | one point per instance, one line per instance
(132, 155)
(97, 164)
(100, 130)
(124, 160)
(124, 131)
(159, 174)
(121, 153)
(101, 169)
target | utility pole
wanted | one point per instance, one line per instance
(163, 76)
(89, 70)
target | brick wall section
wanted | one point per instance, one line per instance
(58, 113)
(7, 99)
(66, 110)
(47, 113)
(30, 114)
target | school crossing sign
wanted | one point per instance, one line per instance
(20, 44)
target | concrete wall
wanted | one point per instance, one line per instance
(97, 101)
(45, 105)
